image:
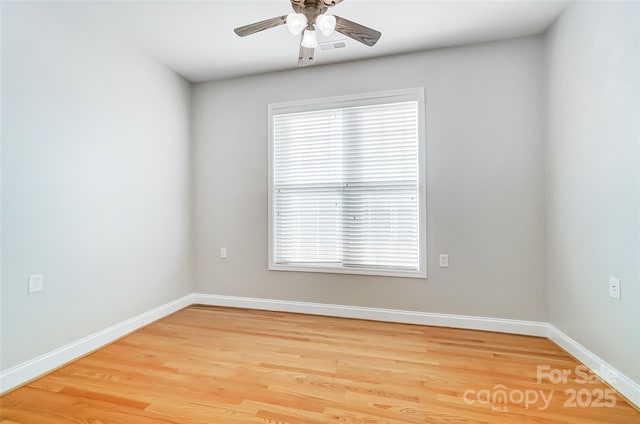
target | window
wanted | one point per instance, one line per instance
(347, 185)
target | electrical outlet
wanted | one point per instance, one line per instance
(36, 283)
(614, 287)
(223, 252)
(444, 261)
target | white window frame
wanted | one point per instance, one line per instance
(413, 94)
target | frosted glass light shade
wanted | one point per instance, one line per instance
(326, 24)
(296, 23)
(309, 39)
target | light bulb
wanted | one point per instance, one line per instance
(326, 24)
(309, 39)
(296, 23)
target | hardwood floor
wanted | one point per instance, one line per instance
(220, 365)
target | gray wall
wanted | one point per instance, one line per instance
(593, 178)
(95, 182)
(485, 195)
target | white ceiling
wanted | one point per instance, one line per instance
(196, 38)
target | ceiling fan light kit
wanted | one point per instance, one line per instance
(309, 39)
(326, 24)
(307, 16)
(296, 23)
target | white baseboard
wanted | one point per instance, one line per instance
(29, 370)
(620, 382)
(36, 367)
(529, 328)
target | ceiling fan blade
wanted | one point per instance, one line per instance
(358, 32)
(243, 31)
(305, 57)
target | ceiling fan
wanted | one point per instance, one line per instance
(309, 15)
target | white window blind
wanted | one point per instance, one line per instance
(345, 192)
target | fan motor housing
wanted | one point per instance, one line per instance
(309, 8)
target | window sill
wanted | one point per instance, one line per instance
(353, 271)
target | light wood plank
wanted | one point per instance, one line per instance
(221, 365)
